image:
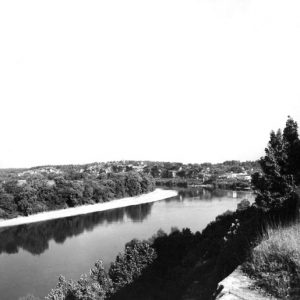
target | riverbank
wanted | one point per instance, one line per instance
(158, 194)
(224, 184)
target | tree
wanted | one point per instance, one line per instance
(133, 184)
(274, 163)
(181, 173)
(98, 274)
(276, 185)
(7, 202)
(83, 289)
(155, 171)
(292, 148)
(147, 183)
(71, 192)
(100, 285)
(130, 265)
(27, 201)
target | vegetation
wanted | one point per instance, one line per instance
(165, 266)
(100, 284)
(275, 262)
(38, 189)
(280, 168)
(190, 265)
(38, 193)
(234, 175)
(229, 174)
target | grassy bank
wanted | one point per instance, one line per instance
(275, 262)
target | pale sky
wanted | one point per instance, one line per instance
(190, 81)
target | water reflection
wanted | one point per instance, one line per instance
(207, 194)
(35, 237)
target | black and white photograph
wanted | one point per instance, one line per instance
(149, 150)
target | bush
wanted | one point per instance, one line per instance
(130, 265)
(99, 284)
(243, 205)
(83, 289)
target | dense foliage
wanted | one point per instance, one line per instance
(100, 284)
(281, 168)
(37, 193)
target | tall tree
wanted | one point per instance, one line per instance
(279, 166)
(292, 148)
(274, 162)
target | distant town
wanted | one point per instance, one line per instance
(229, 174)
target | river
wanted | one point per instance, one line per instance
(32, 256)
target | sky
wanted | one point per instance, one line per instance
(168, 80)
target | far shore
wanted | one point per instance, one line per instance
(156, 195)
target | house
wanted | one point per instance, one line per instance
(21, 182)
(138, 168)
(243, 176)
(50, 183)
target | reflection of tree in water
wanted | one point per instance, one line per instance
(35, 237)
(207, 194)
(138, 213)
(200, 193)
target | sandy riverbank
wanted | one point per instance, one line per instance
(156, 195)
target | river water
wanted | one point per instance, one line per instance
(32, 256)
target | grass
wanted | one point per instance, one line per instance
(275, 262)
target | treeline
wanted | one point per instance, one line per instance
(234, 174)
(211, 183)
(231, 174)
(159, 170)
(229, 184)
(37, 194)
(185, 265)
(203, 171)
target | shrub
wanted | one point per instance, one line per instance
(129, 265)
(99, 284)
(243, 205)
(83, 289)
